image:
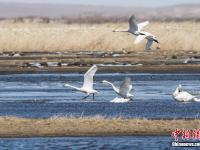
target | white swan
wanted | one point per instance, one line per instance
(183, 96)
(150, 39)
(135, 28)
(124, 89)
(88, 82)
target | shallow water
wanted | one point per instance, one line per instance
(90, 143)
(43, 96)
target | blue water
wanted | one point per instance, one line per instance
(90, 143)
(43, 96)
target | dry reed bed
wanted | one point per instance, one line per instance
(81, 37)
(90, 126)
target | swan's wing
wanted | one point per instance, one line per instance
(139, 39)
(130, 88)
(125, 86)
(133, 24)
(88, 77)
(149, 43)
(142, 25)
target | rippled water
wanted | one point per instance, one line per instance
(89, 143)
(43, 95)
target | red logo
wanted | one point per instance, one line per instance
(175, 134)
(196, 134)
(186, 134)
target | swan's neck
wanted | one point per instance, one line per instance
(177, 91)
(73, 87)
(114, 88)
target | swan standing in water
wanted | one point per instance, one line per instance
(123, 91)
(183, 96)
(135, 28)
(88, 82)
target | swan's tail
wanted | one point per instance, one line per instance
(196, 100)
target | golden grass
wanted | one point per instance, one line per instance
(90, 126)
(60, 37)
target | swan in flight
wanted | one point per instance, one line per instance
(123, 91)
(183, 96)
(135, 28)
(88, 82)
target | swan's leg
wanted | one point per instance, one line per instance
(85, 97)
(93, 96)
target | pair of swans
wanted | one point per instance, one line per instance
(87, 88)
(183, 96)
(136, 29)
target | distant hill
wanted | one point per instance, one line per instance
(59, 10)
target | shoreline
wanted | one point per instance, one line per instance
(90, 126)
(106, 69)
(108, 62)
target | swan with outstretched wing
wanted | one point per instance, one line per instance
(124, 90)
(87, 83)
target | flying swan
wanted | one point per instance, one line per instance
(123, 91)
(135, 29)
(183, 96)
(87, 83)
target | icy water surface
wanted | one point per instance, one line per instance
(43, 96)
(91, 143)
